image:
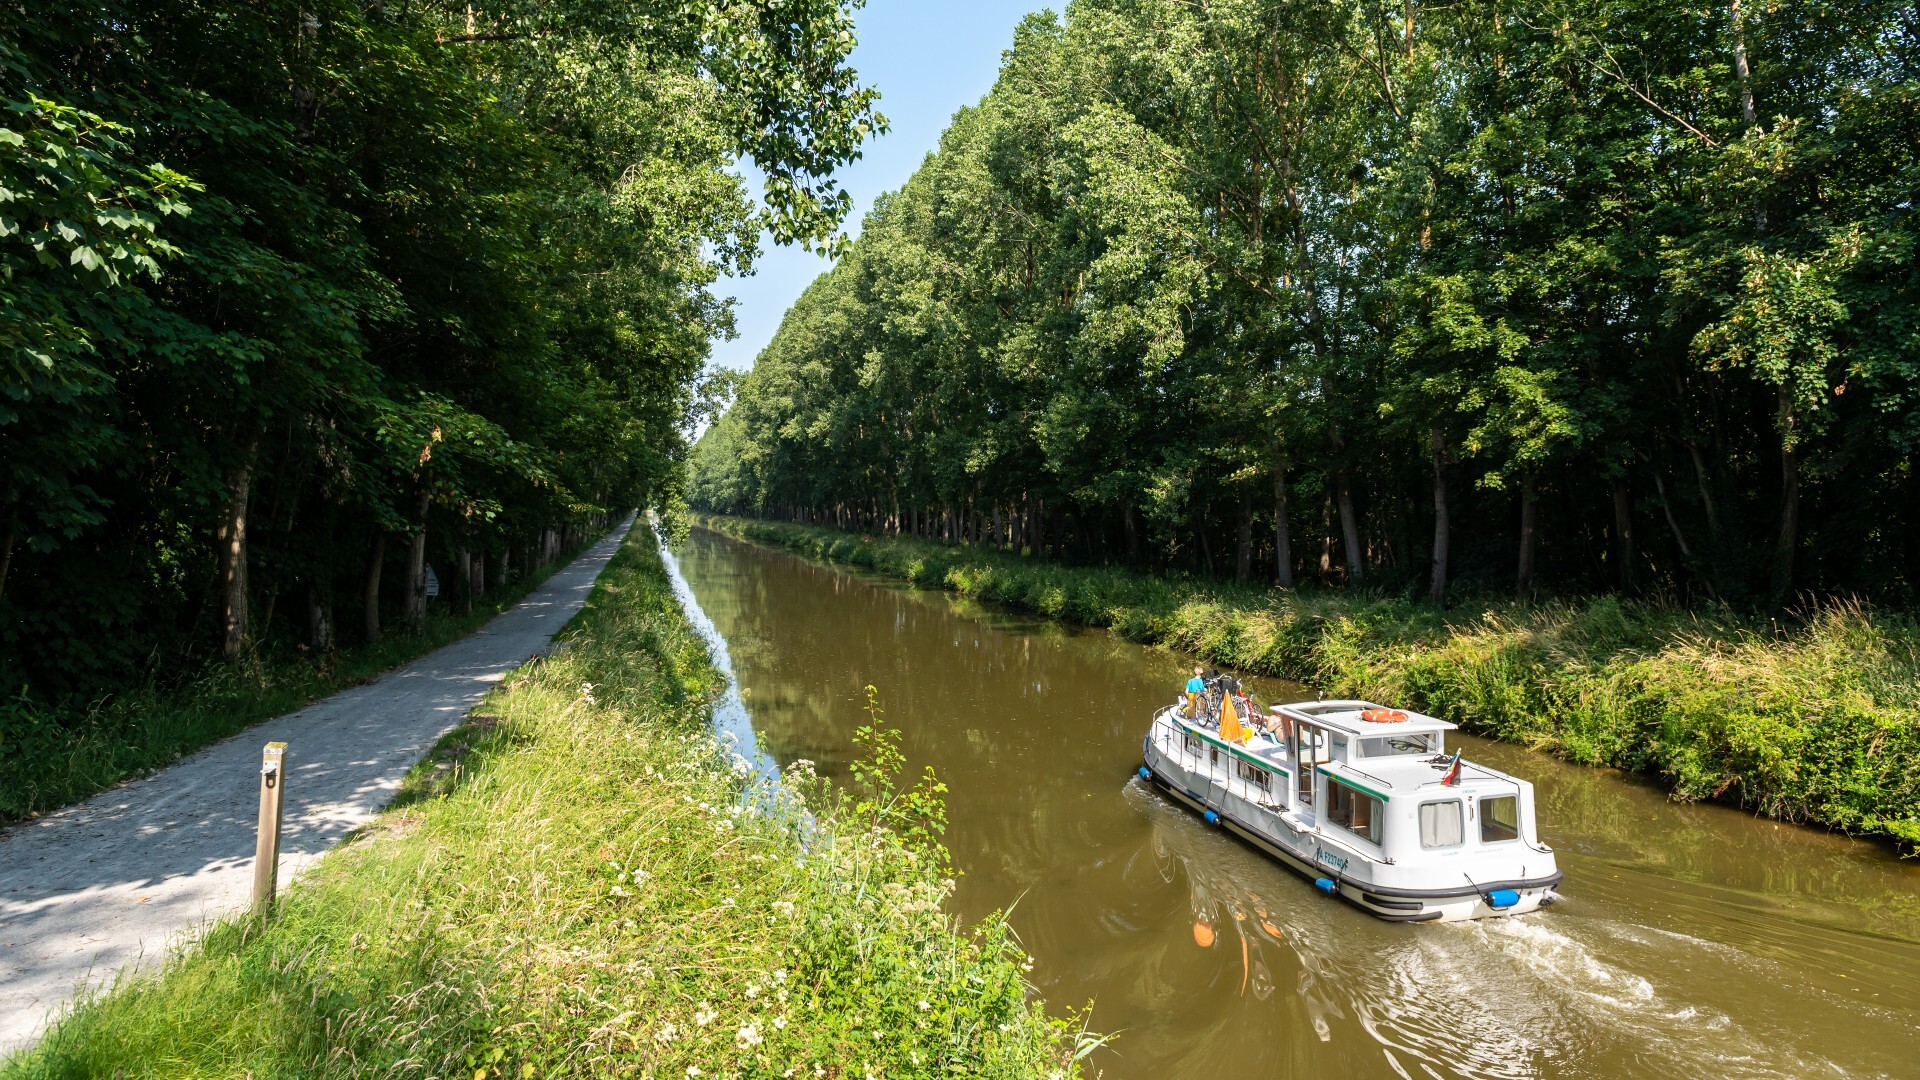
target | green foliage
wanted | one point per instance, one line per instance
(918, 815)
(577, 881)
(284, 282)
(1639, 275)
(1815, 719)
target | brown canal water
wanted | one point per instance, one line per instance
(1694, 941)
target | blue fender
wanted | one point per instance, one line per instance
(1325, 885)
(1145, 774)
(1211, 818)
(1502, 898)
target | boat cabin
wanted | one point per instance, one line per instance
(1375, 780)
(1366, 801)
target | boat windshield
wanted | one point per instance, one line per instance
(1423, 742)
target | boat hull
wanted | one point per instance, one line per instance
(1299, 851)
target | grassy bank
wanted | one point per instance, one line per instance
(48, 760)
(1815, 721)
(572, 885)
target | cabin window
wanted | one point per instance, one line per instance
(1193, 744)
(1441, 824)
(1398, 745)
(1499, 819)
(1353, 810)
(1253, 774)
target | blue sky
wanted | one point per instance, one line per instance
(929, 58)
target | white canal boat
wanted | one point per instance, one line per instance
(1364, 801)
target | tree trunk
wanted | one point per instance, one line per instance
(1243, 550)
(1623, 532)
(417, 563)
(462, 580)
(233, 557)
(319, 621)
(6, 550)
(1132, 527)
(1349, 528)
(477, 584)
(1789, 539)
(1326, 535)
(1282, 533)
(1706, 493)
(1529, 515)
(376, 562)
(1437, 586)
(306, 99)
(1740, 70)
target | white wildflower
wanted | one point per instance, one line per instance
(705, 1015)
(752, 992)
(666, 1034)
(783, 907)
(779, 1023)
(747, 1037)
(641, 877)
(618, 891)
(924, 1006)
(693, 1071)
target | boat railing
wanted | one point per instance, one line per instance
(1348, 766)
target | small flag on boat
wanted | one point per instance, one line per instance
(1453, 770)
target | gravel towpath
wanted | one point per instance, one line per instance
(119, 879)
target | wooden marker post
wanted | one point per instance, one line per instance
(266, 850)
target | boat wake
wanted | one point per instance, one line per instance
(1494, 999)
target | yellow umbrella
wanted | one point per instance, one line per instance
(1230, 728)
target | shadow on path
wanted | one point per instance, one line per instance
(117, 879)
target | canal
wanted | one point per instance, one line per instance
(1693, 940)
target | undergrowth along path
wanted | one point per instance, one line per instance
(110, 882)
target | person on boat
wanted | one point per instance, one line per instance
(1196, 686)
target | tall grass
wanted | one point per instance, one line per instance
(579, 881)
(1814, 720)
(49, 759)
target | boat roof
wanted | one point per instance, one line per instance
(1344, 716)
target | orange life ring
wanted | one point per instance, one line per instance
(1383, 716)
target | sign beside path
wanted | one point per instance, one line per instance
(114, 881)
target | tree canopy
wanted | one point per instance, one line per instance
(1597, 293)
(280, 280)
